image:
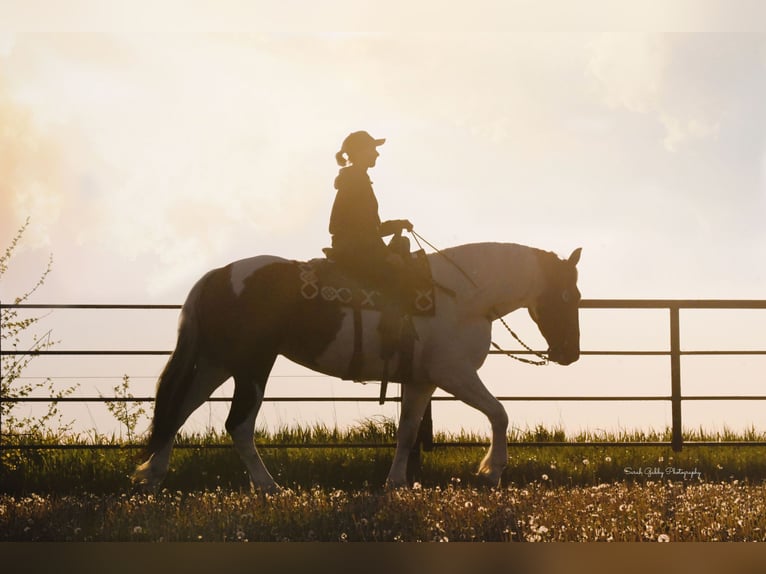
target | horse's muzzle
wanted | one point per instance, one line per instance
(563, 356)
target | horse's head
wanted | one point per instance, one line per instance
(556, 309)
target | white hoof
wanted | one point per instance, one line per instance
(146, 478)
(489, 476)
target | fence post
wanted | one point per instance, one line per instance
(675, 377)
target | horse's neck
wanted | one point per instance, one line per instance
(492, 278)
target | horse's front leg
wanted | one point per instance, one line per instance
(415, 399)
(464, 383)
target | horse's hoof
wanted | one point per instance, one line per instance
(144, 486)
(144, 480)
(489, 479)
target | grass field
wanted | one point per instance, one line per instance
(548, 493)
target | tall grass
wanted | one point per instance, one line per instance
(548, 493)
(337, 466)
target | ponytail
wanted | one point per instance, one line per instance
(341, 158)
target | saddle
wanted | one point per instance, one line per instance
(326, 280)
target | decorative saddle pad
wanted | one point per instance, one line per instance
(321, 278)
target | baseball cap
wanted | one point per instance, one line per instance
(360, 140)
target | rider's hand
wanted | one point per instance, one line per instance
(406, 224)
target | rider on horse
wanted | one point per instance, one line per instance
(357, 232)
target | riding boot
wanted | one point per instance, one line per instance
(389, 328)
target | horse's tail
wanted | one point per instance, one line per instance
(176, 377)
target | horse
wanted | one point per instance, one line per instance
(238, 318)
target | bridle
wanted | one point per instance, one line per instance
(543, 359)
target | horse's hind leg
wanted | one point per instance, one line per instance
(206, 379)
(248, 397)
(415, 399)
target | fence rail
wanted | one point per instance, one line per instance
(674, 352)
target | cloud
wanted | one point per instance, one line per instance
(628, 69)
(32, 177)
(691, 84)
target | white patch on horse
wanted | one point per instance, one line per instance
(336, 358)
(244, 268)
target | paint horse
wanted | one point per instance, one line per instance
(238, 318)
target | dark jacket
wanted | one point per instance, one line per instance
(355, 225)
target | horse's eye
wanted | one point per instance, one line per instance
(566, 297)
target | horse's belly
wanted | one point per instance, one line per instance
(349, 355)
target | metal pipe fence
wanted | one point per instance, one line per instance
(674, 352)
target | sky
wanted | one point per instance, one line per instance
(148, 143)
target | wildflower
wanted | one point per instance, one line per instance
(533, 538)
(608, 459)
(545, 477)
(138, 530)
(468, 504)
(343, 537)
(663, 538)
(661, 459)
(585, 462)
(417, 486)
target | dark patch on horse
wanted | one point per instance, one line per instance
(244, 332)
(269, 316)
(246, 397)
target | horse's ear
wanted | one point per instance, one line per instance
(575, 257)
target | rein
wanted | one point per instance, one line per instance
(543, 359)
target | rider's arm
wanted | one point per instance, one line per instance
(394, 226)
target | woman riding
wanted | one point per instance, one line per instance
(357, 236)
(355, 226)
